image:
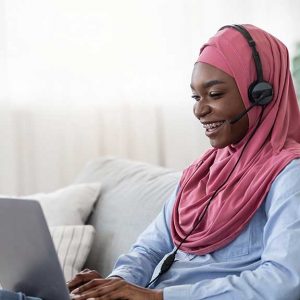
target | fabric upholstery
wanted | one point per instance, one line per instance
(71, 205)
(73, 244)
(132, 194)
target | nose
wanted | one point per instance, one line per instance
(201, 109)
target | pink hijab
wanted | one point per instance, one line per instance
(273, 146)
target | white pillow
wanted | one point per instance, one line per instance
(70, 205)
(72, 244)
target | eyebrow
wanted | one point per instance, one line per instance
(210, 83)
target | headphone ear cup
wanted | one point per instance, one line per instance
(260, 93)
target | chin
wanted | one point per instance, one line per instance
(218, 145)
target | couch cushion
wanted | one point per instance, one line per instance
(70, 205)
(72, 244)
(132, 195)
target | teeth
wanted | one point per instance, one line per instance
(212, 125)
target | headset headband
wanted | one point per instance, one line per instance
(260, 92)
(252, 45)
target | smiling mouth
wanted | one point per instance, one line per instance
(210, 127)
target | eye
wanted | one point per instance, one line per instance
(215, 95)
(195, 97)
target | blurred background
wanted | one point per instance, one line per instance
(81, 79)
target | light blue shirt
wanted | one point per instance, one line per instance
(262, 263)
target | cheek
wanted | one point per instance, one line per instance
(245, 124)
(241, 129)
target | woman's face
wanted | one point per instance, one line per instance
(217, 100)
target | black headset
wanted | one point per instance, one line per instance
(260, 92)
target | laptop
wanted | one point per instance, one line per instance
(28, 260)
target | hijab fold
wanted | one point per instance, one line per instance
(274, 145)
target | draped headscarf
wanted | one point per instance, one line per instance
(275, 143)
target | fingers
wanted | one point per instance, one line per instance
(95, 283)
(81, 278)
(98, 288)
(114, 289)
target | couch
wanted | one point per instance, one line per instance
(132, 194)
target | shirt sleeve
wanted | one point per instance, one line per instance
(151, 246)
(278, 275)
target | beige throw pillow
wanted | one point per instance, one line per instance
(68, 206)
(72, 244)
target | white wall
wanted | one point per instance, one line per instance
(115, 51)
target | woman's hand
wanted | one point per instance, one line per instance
(114, 288)
(81, 278)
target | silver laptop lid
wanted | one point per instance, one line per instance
(28, 260)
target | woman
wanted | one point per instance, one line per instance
(233, 225)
